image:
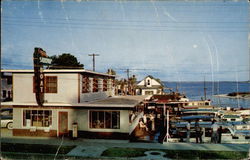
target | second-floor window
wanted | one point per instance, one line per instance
(105, 85)
(85, 84)
(95, 85)
(50, 84)
(148, 82)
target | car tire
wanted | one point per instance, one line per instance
(10, 125)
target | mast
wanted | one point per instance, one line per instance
(205, 94)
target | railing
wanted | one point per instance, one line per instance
(135, 122)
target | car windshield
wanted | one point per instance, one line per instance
(6, 117)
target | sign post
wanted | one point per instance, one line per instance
(40, 59)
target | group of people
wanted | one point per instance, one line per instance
(199, 131)
(147, 121)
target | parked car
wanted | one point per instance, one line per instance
(7, 121)
(6, 118)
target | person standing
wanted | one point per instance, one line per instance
(198, 132)
(219, 134)
(152, 120)
(214, 128)
(188, 131)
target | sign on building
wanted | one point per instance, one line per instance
(40, 58)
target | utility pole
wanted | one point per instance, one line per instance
(93, 55)
(128, 79)
(127, 73)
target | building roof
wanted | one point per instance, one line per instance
(151, 78)
(55, 71)
(117, 102)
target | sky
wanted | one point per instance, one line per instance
(170, 40)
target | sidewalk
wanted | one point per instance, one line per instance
(95, 147)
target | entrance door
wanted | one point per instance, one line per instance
(63, 123)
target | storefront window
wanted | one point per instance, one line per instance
(104, 119)
(37, 118)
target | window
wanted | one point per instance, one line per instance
(105, 86)
(95, 85)
(50, 84)
(100, 84)
(9, 80)
(85, 84)
(4, 93)
(104, 119)
(9, 94)
(148, 82)
(149, 92)
(37, 118)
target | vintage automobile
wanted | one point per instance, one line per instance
(6, 118)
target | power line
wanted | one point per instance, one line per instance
(117, 21)
(135, 29)
(172, 25)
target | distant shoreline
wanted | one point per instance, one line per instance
(233, 97)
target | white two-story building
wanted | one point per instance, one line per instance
(71, 97)
(149, 86)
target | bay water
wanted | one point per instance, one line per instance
(195, 91)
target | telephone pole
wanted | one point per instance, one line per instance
(93, 55)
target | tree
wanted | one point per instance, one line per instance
(65, 61)
(132, 86)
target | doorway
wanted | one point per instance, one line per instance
(63, 123)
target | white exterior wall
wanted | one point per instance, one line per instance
(67, 88)
(81, 116)
(144, 83)
(18, 118)
(83, 121)
(23, 88)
